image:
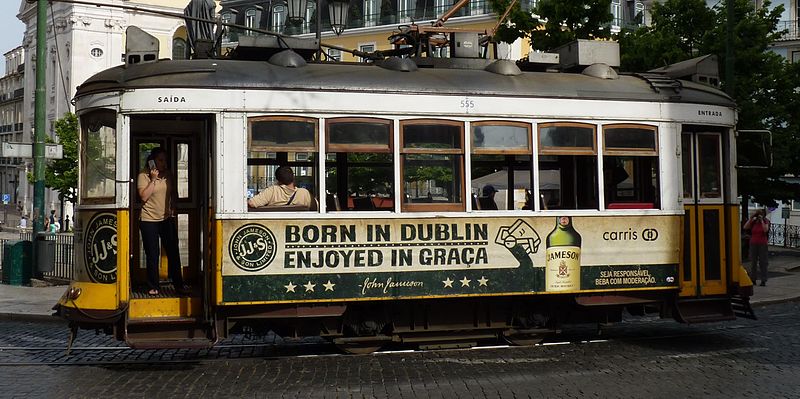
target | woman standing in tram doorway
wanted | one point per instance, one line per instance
(156, 188)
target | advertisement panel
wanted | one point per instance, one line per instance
(297, 260)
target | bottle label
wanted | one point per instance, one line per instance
(563, 268)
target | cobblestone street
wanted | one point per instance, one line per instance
(639, 358)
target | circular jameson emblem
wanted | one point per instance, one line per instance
(100, 248)
(252, 247)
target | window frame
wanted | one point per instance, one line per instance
(547, 150)
(631, 151)
(330, 147)
(83, 194)
(286, 118)
(500, 151)
(432, 207)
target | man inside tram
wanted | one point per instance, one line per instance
(284, 193)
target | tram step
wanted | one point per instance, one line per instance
(154, 343)
(168, 332)
(691, 311)
(741, 307)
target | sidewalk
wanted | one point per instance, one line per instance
(35, 303)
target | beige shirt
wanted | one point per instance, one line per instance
(280, 195)
(157, 207)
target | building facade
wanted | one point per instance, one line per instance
(371, 22)
(12, 89)
(81, 41)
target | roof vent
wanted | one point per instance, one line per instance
(287, 58)
(398, 64)
(601, 71)
(582, 52)
(503, 67)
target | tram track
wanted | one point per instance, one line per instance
(321, 349)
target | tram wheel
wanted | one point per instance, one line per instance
(361, 345)
(358, 349)
(525, 337)
(524, 340)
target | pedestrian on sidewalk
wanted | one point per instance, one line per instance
(758, 225)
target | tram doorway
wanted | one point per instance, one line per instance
(705, 187)
(185, 141)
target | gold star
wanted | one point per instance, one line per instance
(329, 286)
(290, 287)
(482, 281)
(309, 287)
(448, 283)
(465, 281)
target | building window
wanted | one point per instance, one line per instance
(96, 52)
(310, 18)
(250, 20)
(795, 56)
(278, 17)
(179, 49)
(406, 9)
(616, 14)
(334, 55)
(371, 13)
(366, 48)
(226, 19)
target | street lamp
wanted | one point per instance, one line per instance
(338, 11)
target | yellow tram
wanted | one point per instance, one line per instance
(451, 205)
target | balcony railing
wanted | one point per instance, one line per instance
(790, 28)
(384, 17)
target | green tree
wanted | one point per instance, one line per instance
(765, 86)
(553, 23)
(62, 174)
(677, 30)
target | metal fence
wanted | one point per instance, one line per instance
(64, 260)
(784, 235)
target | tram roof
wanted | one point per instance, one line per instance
(261, 75)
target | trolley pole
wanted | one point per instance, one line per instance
(39, 118)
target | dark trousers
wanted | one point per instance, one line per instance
(167, 230)
(758, 256)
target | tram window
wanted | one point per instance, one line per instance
(183, 172)
(98, 156)
(273, 134)
(630, 167)
(631, 180)
(359, 168)
(501, 166)
(686, 165)
(709, 150)
(432, 165)
(568, 166)
(282, 141)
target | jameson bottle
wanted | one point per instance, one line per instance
(563, 257)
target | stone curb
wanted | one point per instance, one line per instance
(766, 302)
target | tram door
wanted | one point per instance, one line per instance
(184, 138)
(704, 254)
